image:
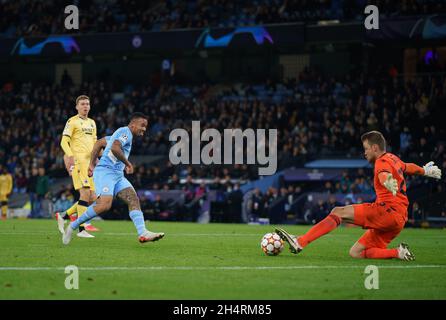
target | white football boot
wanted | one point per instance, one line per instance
(67, 235)
(150, 236)
(295, 247)
(60, 222)
(84, 234)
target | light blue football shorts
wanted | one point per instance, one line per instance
(108, 182)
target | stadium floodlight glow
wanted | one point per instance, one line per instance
(211, 153)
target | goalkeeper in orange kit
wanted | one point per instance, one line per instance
(384, 218)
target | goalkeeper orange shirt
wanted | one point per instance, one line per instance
(389, 162)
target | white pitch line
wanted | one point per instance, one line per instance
(228, 268)
(134, 234)
(174, 234)
(190, 234)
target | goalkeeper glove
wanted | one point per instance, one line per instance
(432, 171)
(391, 184)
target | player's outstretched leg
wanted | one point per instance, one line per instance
(88, 215)
(331, 222)
(82, 207)
(102, 205)
(88, 226)
(62, 216)
(144, 235)
(71, 214)
(129, 196)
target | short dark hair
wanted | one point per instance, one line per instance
(375, 137)
(138, 115)
(82, 97)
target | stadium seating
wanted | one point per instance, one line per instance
(137, 16)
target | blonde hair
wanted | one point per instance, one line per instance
(82, 97)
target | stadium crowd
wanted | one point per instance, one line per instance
(317, 116)
(37, 18)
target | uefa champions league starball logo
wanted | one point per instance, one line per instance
(136, 41)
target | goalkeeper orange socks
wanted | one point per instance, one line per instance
(378, 253)
(331, 222)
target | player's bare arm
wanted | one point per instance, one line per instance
(97, 148)
(130, 197)
(116, 149)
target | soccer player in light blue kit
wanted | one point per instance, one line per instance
(109, 179)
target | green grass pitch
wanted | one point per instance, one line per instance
(211, 261)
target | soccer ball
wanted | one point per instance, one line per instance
(271, 244)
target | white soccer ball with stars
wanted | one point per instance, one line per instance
(271, 244)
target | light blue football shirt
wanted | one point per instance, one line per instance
(108, 159)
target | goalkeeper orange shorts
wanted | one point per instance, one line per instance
(384, 221)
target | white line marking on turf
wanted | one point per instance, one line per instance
(134, 234)
(190, 234)
(192, 268)
(184, 234)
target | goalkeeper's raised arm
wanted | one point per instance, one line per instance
(428, 170)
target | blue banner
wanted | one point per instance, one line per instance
(209, 38)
